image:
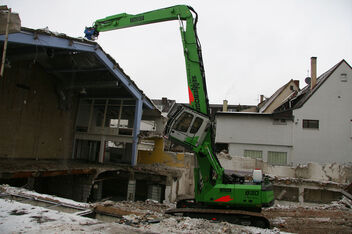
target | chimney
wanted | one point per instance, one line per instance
(224, 106)
(313, 72)
(296, 83)
(261, 98)
(164, 101)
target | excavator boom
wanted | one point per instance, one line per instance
(192, 51)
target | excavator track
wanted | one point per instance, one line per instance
(240, 217)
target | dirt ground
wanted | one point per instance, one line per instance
(311, 219)
(284, 217)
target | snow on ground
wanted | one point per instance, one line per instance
(27, 193)
(16, 217)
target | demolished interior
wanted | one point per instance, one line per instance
(72, 122)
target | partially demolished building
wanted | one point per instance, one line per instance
(72, 122)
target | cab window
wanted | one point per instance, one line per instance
(196, 125)
(184, 122)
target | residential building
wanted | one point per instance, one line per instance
(284, 93)
(314, 124)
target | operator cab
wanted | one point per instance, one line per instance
(186, 126)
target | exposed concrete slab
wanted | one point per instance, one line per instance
(29, 168)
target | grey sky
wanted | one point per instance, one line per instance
(249, 47)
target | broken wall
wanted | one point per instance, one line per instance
(159, 156)
(183, 162)
(312, 171)
(31, 122)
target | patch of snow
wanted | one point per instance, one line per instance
(16, 217)
(47, 30)
(131, 217)
(151, 201)
(24, 192)
(321, 219)
(279, 220)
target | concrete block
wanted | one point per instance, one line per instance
(131, 190)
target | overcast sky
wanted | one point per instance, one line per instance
(250, 47)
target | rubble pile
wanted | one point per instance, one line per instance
(343, 204)
(135, 213)
(335, 217)
(140, 206)
(149, 217)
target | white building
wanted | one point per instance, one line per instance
(314, 125)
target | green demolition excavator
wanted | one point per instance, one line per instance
(218, 195)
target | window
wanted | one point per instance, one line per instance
(147, 125)
(343, 77)
(309, 123)
(253, 153)
(184, 122)
(279, 122)
(277, 158)
(196, 125)
(221, 147)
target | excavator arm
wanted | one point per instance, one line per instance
(192, 50)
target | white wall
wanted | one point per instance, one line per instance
(252, 129)
(238, 150)
(253, 132)
(331, 104)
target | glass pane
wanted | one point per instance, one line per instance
(308, 123)
(184, 122)
(253, 153)
(196, 125)
(277, 158)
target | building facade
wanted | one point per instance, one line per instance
(323, 118)
(313, 125)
